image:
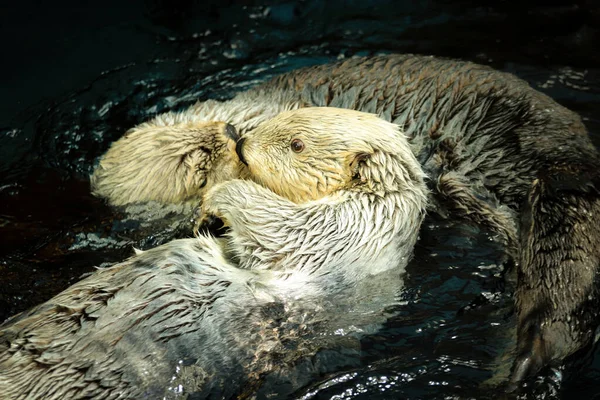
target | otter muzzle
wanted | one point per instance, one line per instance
(231, 133)
(238, 150)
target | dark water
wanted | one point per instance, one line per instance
(77, 77)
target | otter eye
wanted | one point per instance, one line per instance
(297, 145)
(203, 183)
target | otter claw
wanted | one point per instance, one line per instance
(198, 219)
(197, 214)
(206, 222)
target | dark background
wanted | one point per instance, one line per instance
(50, 48)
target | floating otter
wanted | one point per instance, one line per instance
(499, 154)
(212, 315)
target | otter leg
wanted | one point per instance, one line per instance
(457, 195)
(557, 289)
(251, 211)
(265, 228)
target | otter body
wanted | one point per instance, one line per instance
(122, 332)
(498, 153)
(177, 320)
(214, 316)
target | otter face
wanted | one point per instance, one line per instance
(309, 153)
(168, 164)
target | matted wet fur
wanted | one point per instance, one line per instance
(212, 317)
(176, 156)
(170, 164)
(498, 153)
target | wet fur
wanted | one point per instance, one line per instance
(216, 315)
(498, 154)
(175, 156)
(166, 164)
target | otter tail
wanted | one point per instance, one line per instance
(557, 291)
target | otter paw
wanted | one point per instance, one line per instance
(206, 223)
(219, 200)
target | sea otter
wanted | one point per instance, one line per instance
(205, 316)
(499, 154)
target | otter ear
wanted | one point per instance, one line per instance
(357, 163)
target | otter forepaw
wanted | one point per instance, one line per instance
(219, 201)
(205, 220)
(237, 202)
(206, 223)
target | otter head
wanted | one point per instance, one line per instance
(309, 153)
(167, 163)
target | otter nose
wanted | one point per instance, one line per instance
(238, 150)
(231, 133)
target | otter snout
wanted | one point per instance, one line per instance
(231, 133)
(238, 150)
